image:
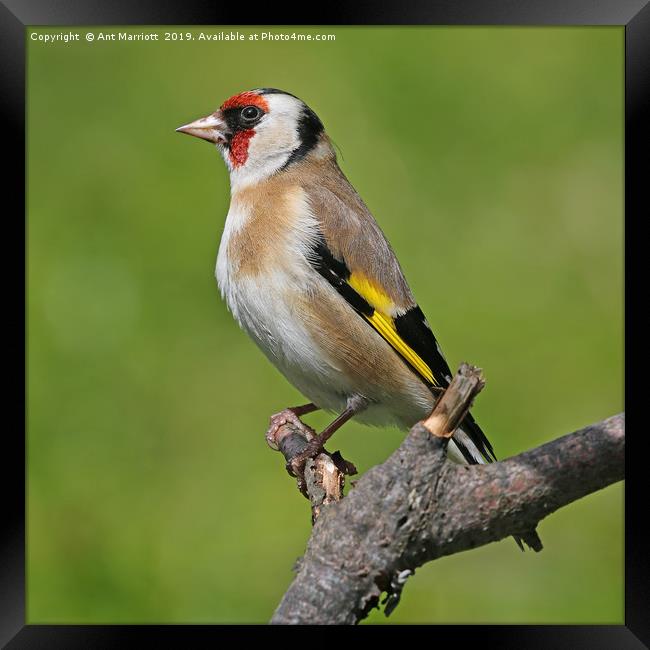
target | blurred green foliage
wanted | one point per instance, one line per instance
(492, 158)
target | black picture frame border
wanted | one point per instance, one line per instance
(17, 15)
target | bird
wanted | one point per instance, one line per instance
(308, 274)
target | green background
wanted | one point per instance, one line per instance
(491, 157)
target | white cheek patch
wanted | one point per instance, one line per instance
(271, 137)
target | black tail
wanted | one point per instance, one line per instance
(531, 539)
(475, 433)
(472, 429)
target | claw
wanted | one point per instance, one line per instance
(278, 420)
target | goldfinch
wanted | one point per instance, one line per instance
(306, 271)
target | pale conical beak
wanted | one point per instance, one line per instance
(212, 128)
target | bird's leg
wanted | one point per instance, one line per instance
(355, 405)
(304, 409)
(290, 415)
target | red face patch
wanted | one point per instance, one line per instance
(239, 147)
(239, 144)
(246, 99)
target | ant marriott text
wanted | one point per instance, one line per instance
(178, 36)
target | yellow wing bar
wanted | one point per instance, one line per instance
(384, 324)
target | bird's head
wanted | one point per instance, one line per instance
(260, 132)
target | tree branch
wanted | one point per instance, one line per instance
(418, 506)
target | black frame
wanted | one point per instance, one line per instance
(634, 15)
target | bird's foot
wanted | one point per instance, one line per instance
(300, 444)
(279, 420)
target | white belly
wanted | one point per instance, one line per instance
(263, 311)
(261, 304)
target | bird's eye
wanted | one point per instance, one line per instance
(250, 113)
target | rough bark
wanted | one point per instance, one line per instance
(418, 506)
